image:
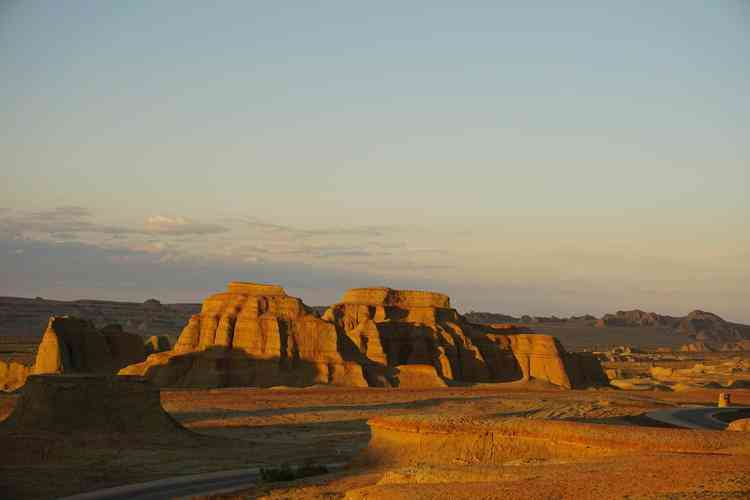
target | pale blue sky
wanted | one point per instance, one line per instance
(521, 156)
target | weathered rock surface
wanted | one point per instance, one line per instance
(742, 424)
(157, 343)
(253, 335)
(12, 375)
(636, 317)
(707, 330)
(73, 345)
(439, 440)
(707, 326)
(257, 335)
(389, 328)
(90, 405)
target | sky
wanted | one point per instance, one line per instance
(523, 157)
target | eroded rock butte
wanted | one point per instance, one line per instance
(258, 335)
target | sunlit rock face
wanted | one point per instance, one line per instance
(257, 335)
(391, 328)
(74, 345)
(253, 334)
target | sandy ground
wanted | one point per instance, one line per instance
(243, 427)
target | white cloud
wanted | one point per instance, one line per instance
(160, 224)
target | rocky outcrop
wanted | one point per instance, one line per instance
(156, 344)
(409, 440)
(253, 335)
(636, 317)
(389, 329)
(706, 326)
(12, 375)
(74, 345)
(742, 424)
(700, 326)
(90, 405)
(257, 335)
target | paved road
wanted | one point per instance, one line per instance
(694, 418)
(185, 486)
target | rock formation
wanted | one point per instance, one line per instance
(90, 405)
(742, 424)
(156, 344)
(257, 335)
(390, 328)
(706, 326)
(12, 375)
(253, 335)
(73, 345)
(636, 317)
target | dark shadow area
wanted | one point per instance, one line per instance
(187, 417)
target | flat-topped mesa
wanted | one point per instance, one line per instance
(392, 328)
(255, 289)
(406, 299)
(258, 335)
(253, 334)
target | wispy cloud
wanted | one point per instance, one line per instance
(180, 226)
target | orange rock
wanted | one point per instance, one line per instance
(73, 345)
(12, 375)
(742, 424)
(257, 335)
(253, 335)
(390, 328)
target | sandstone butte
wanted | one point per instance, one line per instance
(71, 345)
(258, 335)
(75, 345)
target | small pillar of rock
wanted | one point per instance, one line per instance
(725, 399)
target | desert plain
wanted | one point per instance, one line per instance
(386, 394)
(248, 427)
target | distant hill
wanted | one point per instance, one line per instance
(634, 327)
(24, 317)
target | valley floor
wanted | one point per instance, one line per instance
(247, 427)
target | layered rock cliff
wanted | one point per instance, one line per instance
(253, 335)
(257, 335)
(391, 328)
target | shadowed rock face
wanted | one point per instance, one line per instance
(73, 345)
(257, 335)
(253, 335)
(391, 328)
(157, 343)
(90, 404)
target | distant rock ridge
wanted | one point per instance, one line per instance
(257, 335)
(27, 317)
(636, 317)
(700, 326)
